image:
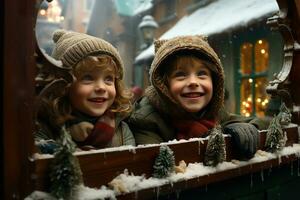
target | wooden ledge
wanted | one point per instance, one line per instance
(100, 168)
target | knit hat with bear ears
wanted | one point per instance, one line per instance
(72, 47)
(197, 45)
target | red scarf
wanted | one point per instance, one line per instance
(186, 129)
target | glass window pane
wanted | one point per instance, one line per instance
(246, 58)
(261, 55)
(261, 97)
(246, 97)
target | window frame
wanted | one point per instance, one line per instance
(248, 37)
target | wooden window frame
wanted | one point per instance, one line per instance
(23, 173)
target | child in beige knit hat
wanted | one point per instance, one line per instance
(88, 96)
(186, 95)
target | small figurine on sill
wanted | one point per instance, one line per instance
(181, 168)
(93, 104)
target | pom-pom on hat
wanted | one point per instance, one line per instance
(72, 47)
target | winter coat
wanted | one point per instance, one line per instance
(150, 126)
(46, 142)
(155, 115)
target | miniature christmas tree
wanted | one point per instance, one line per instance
(65, 169)
(276, 138)
(164, 163)
(215, 150)
(285, 116)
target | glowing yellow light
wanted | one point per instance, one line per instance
(262, 51)
(247, 105)
(244, 111)
(250, 80)
(42, 12)
(244, 103)
(247, 114)
(263, 103)
(259, 41)
(266, 101)
(258, 100)
(249, 99)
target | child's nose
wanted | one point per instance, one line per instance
(193, 81)
(99, 86)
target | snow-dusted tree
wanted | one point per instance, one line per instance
(284, 115)
(65, 171)
(276, 137)
(215, 149)
(164, 162)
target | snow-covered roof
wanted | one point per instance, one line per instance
(132, 7)
(217, 17)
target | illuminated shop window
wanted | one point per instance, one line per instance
(254, 65)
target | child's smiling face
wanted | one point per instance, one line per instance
(191, 85)
(94, 91)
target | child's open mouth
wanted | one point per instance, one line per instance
(192, 94)
(97, 100)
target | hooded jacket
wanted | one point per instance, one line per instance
(151, 119)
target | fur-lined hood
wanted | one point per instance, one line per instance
(158, 93)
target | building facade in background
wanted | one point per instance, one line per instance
(249, 51)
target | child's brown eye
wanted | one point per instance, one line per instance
(203, 73)
(179, 74)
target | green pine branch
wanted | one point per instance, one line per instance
(65, 172)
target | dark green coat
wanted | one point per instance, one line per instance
(150, 126)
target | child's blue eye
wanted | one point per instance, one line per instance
(109, 79)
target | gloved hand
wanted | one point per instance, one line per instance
(245, 136)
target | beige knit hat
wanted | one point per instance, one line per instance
(71, 47)
(197, 44)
